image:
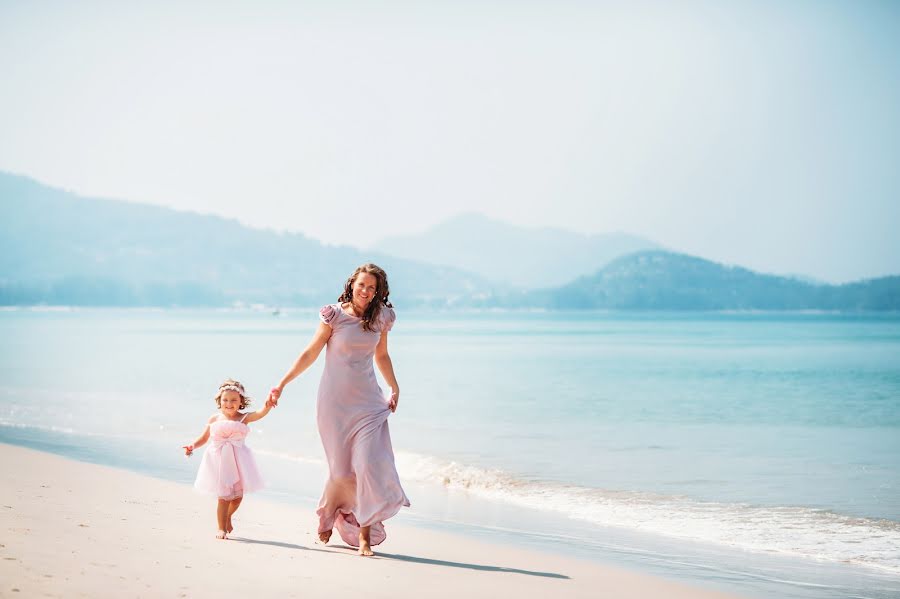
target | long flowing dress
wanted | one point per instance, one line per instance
(363, 488)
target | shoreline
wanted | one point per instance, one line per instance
(480, 520)
(81, 529)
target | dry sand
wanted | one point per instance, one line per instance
(71, 529)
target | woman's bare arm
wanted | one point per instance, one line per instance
(386, 367)
(306, 359)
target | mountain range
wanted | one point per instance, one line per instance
(59, 248)
(659, 280)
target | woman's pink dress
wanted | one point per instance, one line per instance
(363, 488)
(228, 469)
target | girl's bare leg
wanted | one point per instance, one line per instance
(364, 547)
(233, 505)
(222, 517)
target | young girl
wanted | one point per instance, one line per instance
(228, 468)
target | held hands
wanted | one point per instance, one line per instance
(274, 394)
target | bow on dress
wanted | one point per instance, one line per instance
(228, 468)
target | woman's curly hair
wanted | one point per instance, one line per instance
(382, 291)
(232, 385)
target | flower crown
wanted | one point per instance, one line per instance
(240, 390)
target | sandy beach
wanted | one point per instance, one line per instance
(72, 529)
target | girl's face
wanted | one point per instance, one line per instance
(230, 402)
(364, 288)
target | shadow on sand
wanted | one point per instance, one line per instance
(480, 567)
(403, 558)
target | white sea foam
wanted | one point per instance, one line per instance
(799, 531)
(62, 429)
(47, 428)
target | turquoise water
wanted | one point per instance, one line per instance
(756, 452)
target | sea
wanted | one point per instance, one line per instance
(754, 453)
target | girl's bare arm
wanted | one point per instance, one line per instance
(254, 416)
(203, 438)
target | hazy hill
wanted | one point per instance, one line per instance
(519, 256)
(659, 280)
(60, 248)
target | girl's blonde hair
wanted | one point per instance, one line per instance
(232, 385)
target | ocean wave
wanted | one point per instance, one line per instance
(790, 530)
(47, 428)
(59, 429)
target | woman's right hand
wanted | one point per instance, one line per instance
(274, 394)
(188, 449)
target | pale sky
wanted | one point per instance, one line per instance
(764, 134)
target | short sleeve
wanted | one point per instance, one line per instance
(328, 314)
(387, 319)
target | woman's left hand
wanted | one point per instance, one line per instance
(392, 402)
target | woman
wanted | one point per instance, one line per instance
(363, 488)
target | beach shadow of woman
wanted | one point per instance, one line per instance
(479, 567)
(405, 558)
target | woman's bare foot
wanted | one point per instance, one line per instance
(220, 534)
(324, 537)
(364, 548)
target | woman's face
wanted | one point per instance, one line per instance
(364, 288)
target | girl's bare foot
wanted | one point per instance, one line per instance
(324, 537)
(220, 534)
(232, 507)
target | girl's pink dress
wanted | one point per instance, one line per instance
(228, 468)
(363, 488)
